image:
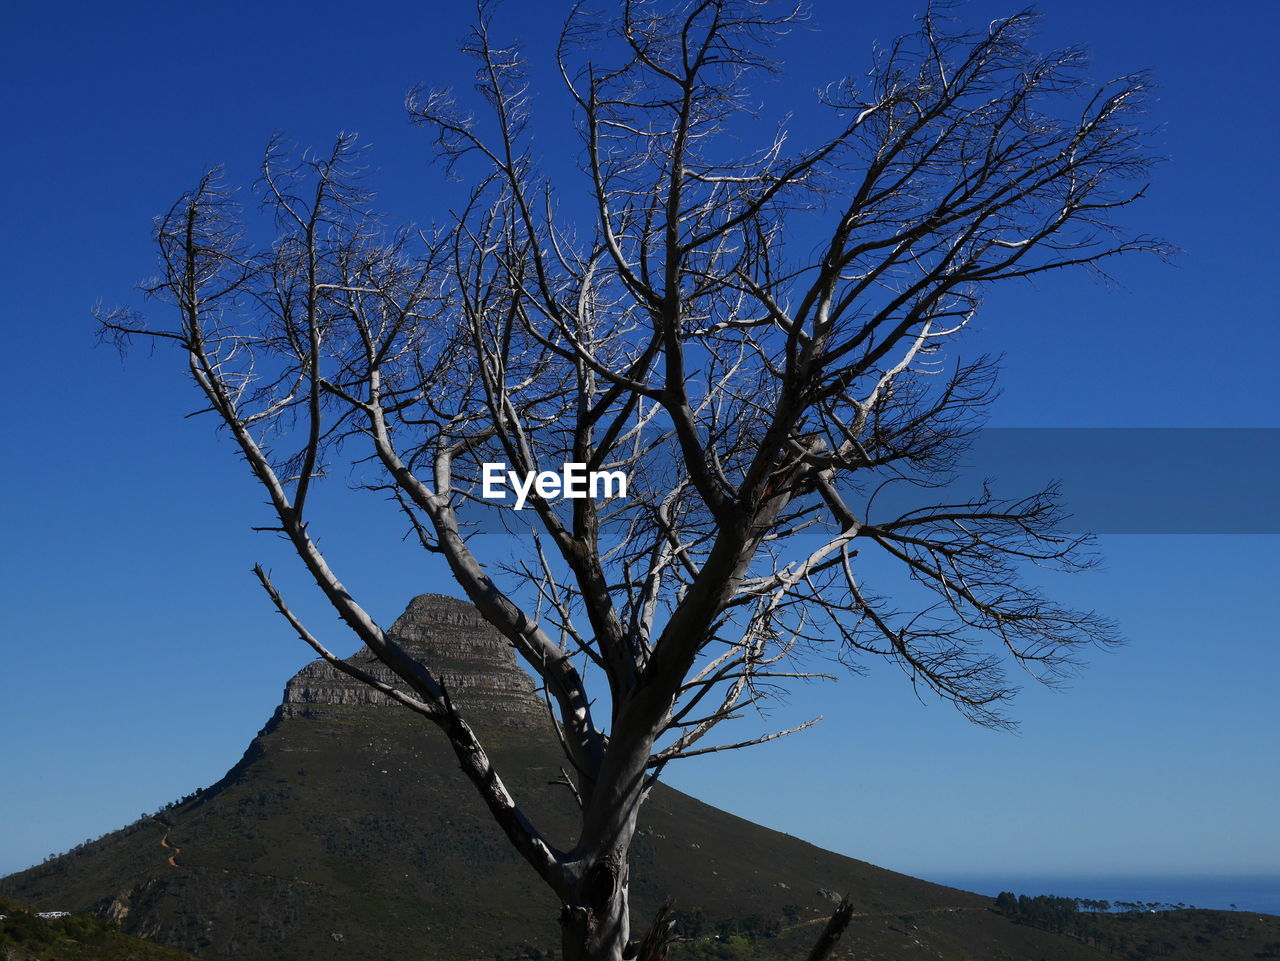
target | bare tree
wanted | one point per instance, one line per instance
(759, 338)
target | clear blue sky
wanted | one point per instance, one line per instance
(139, 656)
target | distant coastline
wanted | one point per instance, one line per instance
(1248, 893)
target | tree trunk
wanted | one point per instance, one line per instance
(595, 921)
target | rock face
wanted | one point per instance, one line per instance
(472, 660)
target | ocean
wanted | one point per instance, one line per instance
(1257, 893)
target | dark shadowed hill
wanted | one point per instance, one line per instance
(347, 831)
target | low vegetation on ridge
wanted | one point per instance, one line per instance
(26, 936)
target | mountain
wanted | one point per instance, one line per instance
(347, 831)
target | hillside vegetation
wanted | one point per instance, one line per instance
(24, 936)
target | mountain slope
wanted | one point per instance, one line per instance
(347, 831)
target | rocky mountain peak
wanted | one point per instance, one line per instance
(456, 643)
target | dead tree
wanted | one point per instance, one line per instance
(756, 393)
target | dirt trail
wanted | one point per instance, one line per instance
(164, 843)
(174, 851)
(900, 914)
